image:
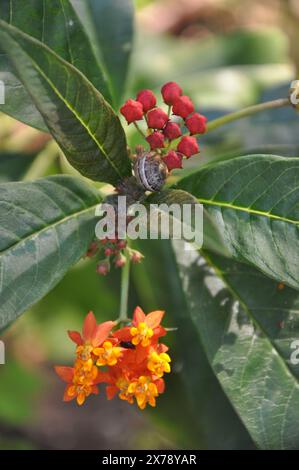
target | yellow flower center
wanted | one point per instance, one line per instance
(159, 363)
(123, 385)
(84, 351)
(107, 355)
(83, 381)
(144, 390)
(141, 334)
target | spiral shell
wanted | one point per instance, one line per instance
(150, 171)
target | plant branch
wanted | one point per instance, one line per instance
(124, 292)
(139, 130)
(215, 123)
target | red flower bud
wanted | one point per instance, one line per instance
(136, 256)
(183, 106)
(196, 124)
(132, 110)
(170, 92)
(188, 146)
(156, 140)
(121, 244)
(147, 99)
(112, 240)
(173, 160)
(120, 260)
(108, 251)
(93, 248)
(157, 118)
(103, 267)
(172, 130)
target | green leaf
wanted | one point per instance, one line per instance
(253, 200)
(13, 165)
(109, 24)
(46, 226)
(212, 239)
(247, 325)
(206, 412)
(80, 120)
(56, 24)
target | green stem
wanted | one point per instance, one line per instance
(139, 130)
(124, 292)
(215, 123)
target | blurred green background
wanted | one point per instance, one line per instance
(226, 55)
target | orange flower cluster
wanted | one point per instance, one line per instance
(130, 361)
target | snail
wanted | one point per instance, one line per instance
(150, 171)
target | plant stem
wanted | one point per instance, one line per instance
(124, 292)
(139, 130)
(257, 108)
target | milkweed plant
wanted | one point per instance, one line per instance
(240, 288)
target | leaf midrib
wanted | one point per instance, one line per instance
(68, 105)
(49, 227)
(248, 210)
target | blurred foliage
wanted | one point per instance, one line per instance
(13, 166)
(20, 387)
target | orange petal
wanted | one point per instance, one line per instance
(111, 391)
(103, 377)
(162, 348)
(65, 373)
(95, 390)
(102, 332)
(138, 316)
(89, 326)
(153, 319)
(160, 384)
(66, 396)
(123, 334)
(141, 353)
(75, 336)
(81, 398)
(159, 331)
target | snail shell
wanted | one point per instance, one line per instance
(150, 171)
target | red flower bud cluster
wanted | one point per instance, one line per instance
(130, 361)
(115, 251)
(162, 129)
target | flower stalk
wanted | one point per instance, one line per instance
(124, 292)
(242, 113)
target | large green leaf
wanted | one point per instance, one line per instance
(254, 202)
(211, 238)
(247, 324)
(81, 121)
(109, 24)
(45, 227)
(203, 409)
(55, 23)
